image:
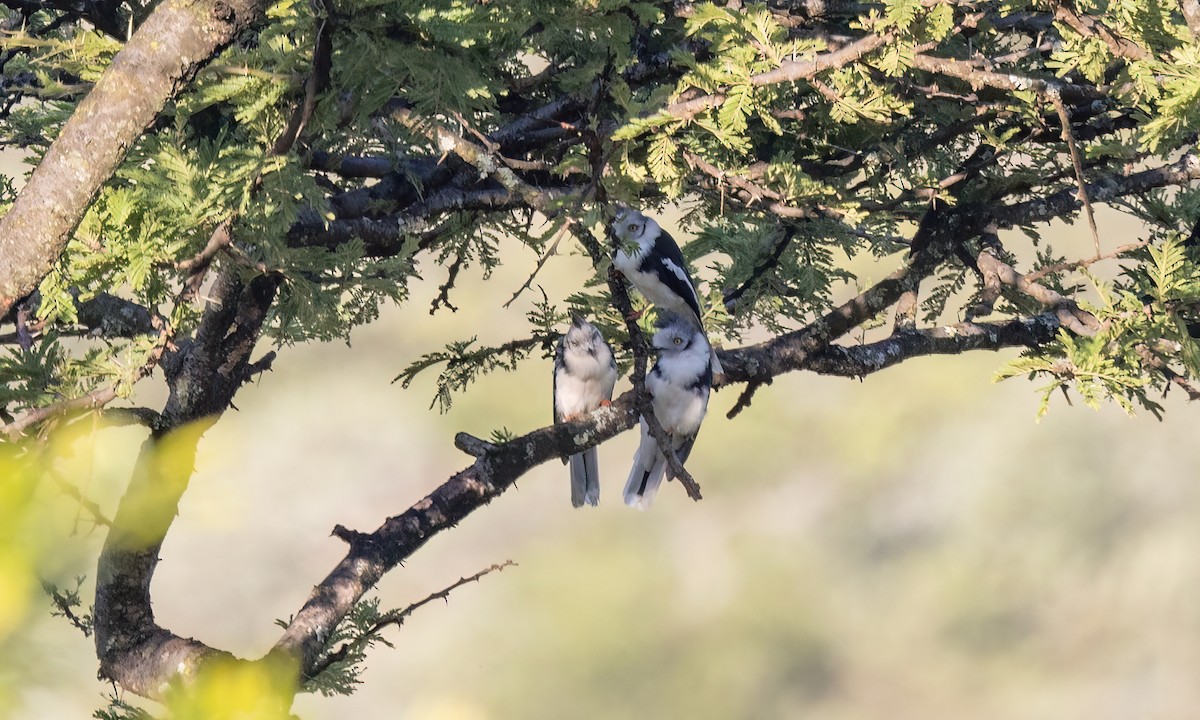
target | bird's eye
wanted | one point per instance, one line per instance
(632, 227)
(678, 341)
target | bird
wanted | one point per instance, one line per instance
(584, 375)
(651, 260)
(678, 385)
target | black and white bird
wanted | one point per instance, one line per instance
(584, 375)
(651, 260)
(679, 385)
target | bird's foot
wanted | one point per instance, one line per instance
(606, 403)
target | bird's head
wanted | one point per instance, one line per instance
(582, 336)
(676, 334)
(633, 228)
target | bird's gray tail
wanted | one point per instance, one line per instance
(585, 478)
(649, 465)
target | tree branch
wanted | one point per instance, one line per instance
(203, 375)
(1009, 82)
(1070, 315)
(862, 360)
(93, 400)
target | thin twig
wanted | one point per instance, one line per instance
(730, 299)
(397, 617)
(64, 607)
(98, 516)
(1086, 262)
(443, 296)
(96, 398)
(550, 251)
(1076, 161)
(317, 82)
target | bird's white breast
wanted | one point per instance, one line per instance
(679, 409)
(585, 381)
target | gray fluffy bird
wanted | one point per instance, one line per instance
(652, 262)
(679, 386)
(584, 375)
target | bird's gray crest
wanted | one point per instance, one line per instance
(674, 333)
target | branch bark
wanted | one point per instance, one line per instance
(203, 374)
(164, 53)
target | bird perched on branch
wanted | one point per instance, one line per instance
(584, 375)
(678, 385)
(651, 260)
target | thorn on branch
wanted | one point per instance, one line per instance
(353, 538)
(472, 445)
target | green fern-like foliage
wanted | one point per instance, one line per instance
(786, 190)
(351, 640)
(1148, 328)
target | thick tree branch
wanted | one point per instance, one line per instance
(163, 54)
(862, 360)
(203, 375)
(372, 555)
(1009, 82)
(475, 155)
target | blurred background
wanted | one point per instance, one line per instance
(914, 545)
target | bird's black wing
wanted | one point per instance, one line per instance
(686, 449)
(673, 270)
(559, 364)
